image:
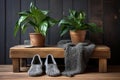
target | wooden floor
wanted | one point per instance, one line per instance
(113, 74)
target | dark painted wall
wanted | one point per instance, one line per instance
(106, 13)
(112, 28)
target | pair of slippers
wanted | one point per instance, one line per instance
(36, 68)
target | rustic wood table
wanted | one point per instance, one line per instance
(101, 52)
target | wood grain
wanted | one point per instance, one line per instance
(101, 51)
(7, 74)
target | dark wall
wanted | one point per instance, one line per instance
(105, 13)
(112, 28)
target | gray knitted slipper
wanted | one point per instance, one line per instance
(36, 66)
(51, 66)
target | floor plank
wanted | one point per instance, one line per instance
(112, 74)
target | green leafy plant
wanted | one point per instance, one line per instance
(38, 19)
(76, 21)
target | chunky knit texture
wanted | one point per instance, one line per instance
(36, 66)
(51, 66)
(76, 56)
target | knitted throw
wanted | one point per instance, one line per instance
(76, 56)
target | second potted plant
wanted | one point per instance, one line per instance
(77, 26)
(39, 21)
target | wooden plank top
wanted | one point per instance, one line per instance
(101, 51)
(23, 47)
(20, 51)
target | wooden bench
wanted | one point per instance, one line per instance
(101, 52)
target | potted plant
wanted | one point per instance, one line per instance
(39, 21)
(76, 24)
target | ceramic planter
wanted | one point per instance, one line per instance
(77, 36)
(37, 40)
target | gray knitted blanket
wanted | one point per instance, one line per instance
(76, 56)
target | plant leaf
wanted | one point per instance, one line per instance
(94, 28)
(39, 20)
(45, 12)
(51, 21)
(72, 13)
(64, 22)
(18, 24)
(64, 30)
(22, 19)
(44, 27)
(37, 14)
(23, 28)
(16, 28)
(35, 26)
(24, 13)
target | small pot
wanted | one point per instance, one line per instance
(37, 40)
(77, 36)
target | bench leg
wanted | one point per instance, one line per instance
(102, 65)
(16, 64)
